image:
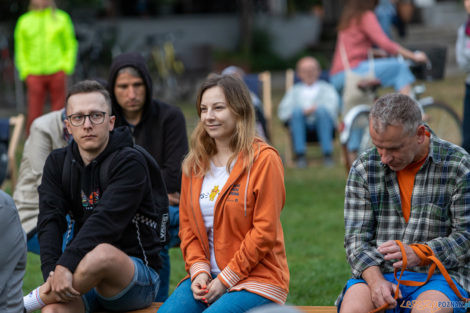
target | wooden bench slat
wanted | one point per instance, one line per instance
(317, 309)
(306, 309)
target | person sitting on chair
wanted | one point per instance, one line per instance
(310, 106)
(261, 128)
(112, 259)
(47, 133)
(407, 206)
(158, 127)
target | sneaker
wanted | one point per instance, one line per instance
(301, 162)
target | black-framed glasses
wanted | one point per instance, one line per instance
(95, 118)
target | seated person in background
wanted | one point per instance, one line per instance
(158, 127)
(310, 106)
(112, 260)
(47, 133)
(415, 188)
(261, 129)
(233, 246)
(12, 257)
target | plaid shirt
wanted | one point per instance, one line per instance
(440, 211)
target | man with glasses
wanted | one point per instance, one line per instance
(112, 260)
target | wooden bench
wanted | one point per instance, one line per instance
(306, 309)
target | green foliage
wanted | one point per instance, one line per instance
(302, 5)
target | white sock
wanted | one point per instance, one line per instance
(32, 301)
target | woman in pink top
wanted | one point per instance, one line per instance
(359, 31)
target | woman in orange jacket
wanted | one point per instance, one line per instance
(231, 200)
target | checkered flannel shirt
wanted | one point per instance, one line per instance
(440, 211)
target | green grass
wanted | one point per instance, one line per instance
(312, 217)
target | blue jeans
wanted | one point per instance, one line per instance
(33, 242)
(390, 71)
(466, 119)
(182, 301)
(140, 293)
(165, 257)
(411, 293)
(323, 125)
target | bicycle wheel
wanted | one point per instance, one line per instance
(444, 121)
(356, 129)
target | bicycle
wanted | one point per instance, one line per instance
(441, 118)
(166, 68)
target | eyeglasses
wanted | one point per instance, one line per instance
(78, 119)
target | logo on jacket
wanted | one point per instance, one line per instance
(234, 193)
(91, 201)
(214, 192)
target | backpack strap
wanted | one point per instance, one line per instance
(104, 169)
(67, 177)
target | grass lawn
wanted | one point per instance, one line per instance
(312, 217)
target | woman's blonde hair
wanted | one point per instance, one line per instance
(203, 147)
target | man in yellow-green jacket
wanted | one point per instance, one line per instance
(45, 52)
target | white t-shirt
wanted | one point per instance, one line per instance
(213, 183)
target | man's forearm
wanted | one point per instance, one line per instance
(372, 274)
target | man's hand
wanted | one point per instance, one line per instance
(382, 292)
(199, 286)
(216, 290)
(310, 110)
(61, 284)
(391, 251)
(174, 198)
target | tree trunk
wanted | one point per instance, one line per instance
(246, 25)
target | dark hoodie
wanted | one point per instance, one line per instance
(162, 128)
(101, 216)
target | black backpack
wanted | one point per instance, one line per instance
(159, 193)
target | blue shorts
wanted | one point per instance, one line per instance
(411, 293)
(139, 294)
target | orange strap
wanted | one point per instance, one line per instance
(427, 257)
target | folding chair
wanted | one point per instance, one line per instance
(10, 166)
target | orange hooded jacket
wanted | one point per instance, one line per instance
(248, 237)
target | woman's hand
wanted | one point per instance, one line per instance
(216, 290)
(420, 57)
(199, 286)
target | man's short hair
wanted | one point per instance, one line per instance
(89, 86)
(396, 109)
(131, 70)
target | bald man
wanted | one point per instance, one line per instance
(310, 106)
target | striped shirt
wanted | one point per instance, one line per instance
(439, 218)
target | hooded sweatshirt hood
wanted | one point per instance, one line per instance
(135, 60)
(162, 127)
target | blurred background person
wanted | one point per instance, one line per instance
(261, 129)
(462, 51)
(310, 106)
(48, 133)
(359, 30)
(45, 52)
